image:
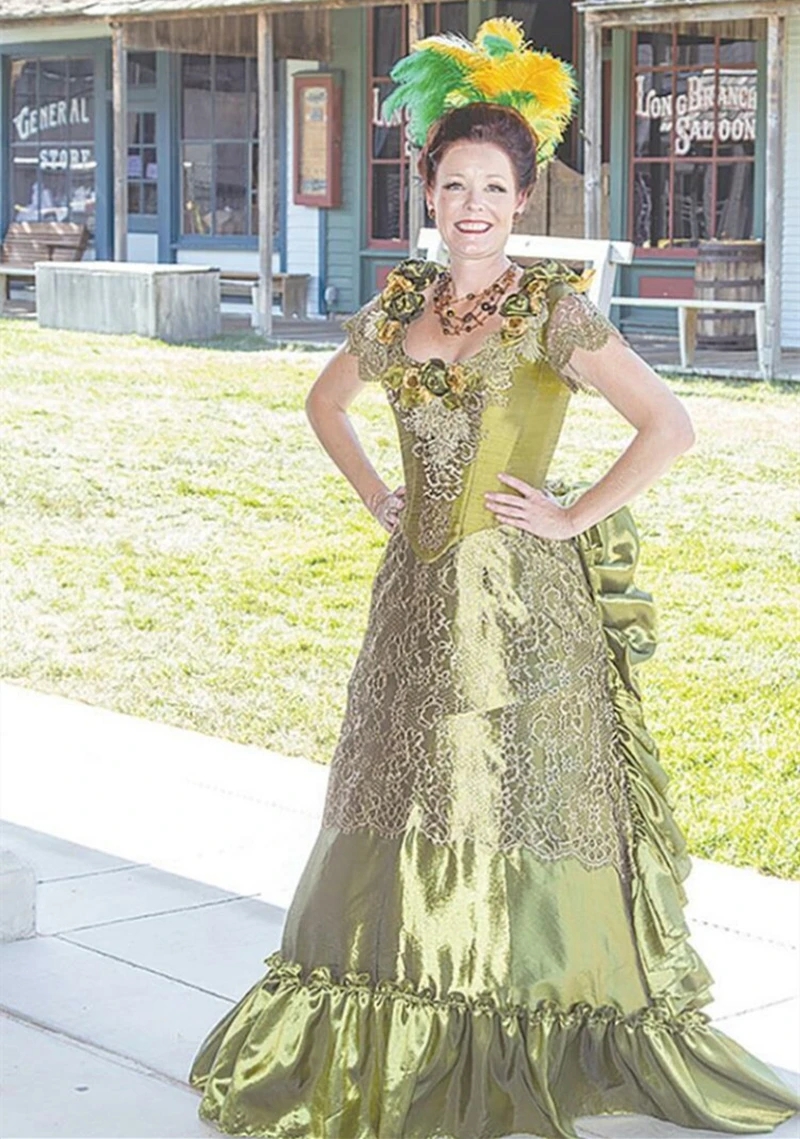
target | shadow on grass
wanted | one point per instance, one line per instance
(252, 342)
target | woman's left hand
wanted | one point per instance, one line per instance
(532, 509)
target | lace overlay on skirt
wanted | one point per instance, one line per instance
(479, 706)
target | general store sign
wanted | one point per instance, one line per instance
(735, 97)
(32, 122)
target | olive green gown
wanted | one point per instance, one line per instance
(488, 938)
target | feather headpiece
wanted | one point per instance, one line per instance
(446, 71)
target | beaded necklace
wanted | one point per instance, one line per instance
(486, 302)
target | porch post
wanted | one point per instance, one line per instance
(592, 123)
(773, 222)
(266, 165)
(119, 82)
(416, 199)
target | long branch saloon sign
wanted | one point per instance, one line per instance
(731, 103)
(32, 124)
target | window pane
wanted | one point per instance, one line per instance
(134, 197)
(134, 162)
(737, 51)
(653, 49)
(196, 79)
(695, 50)
(441, 17)
(197, 188)
(385, 138)
(387, 38)
(52, 89)
(81, 100)
(54, 182)
(653, 111)
(734, 200)
(736, 126)
(134, 129)
(692, 210)
(651, 204)
(694, 103)
(149, 164)
(231, 188)
(149, 198)
(24, 183)
(83, 194)
(23, 96)
(454, 17)
(385, 202)
(149, 127)
(230, 102)
(141, 68)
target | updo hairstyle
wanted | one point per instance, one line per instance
(482, 122)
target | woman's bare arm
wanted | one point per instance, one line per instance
(326, 405)
(663, 427)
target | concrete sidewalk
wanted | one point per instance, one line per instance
(165, 860)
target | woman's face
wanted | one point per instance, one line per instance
(474, 197)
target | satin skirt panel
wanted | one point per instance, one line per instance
(489, 936)
(503, 926)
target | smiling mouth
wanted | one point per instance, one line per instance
(473, 226)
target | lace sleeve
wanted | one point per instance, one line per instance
(574, 322)
(362, 341)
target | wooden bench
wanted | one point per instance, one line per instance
(290, 289)
(27, 242)
(688, 308)
(598, 254)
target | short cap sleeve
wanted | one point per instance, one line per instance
(362, 340)
(573, 321)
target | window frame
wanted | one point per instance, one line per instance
(61, 53)
(400, 243)
(231, 241)
(680, 246)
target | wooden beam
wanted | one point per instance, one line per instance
(120, 114)
(592, 127)
(266, 167)
(773, 230)
(416, 190)
(649, 14)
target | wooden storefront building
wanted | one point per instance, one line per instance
(683, 138)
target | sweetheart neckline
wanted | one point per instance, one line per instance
(450, 363)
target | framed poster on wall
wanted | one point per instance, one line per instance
(317, 175)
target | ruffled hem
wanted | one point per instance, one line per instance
(350, 1059)
(675, 974)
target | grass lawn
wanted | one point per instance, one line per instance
(177, 545)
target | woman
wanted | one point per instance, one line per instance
(488, 937)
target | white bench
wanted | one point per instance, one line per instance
(602, 256)
(687, 322)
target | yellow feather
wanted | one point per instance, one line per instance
(502, 26)
(533, 73)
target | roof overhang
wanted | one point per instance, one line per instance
(641, 13)
(41, 11)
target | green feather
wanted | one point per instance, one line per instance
(424, 80)
(497, 46)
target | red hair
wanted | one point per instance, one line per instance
(482, 122)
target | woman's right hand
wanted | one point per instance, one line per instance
(385, 508)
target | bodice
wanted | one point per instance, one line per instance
(498, 411)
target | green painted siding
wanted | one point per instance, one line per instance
(341, 255)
